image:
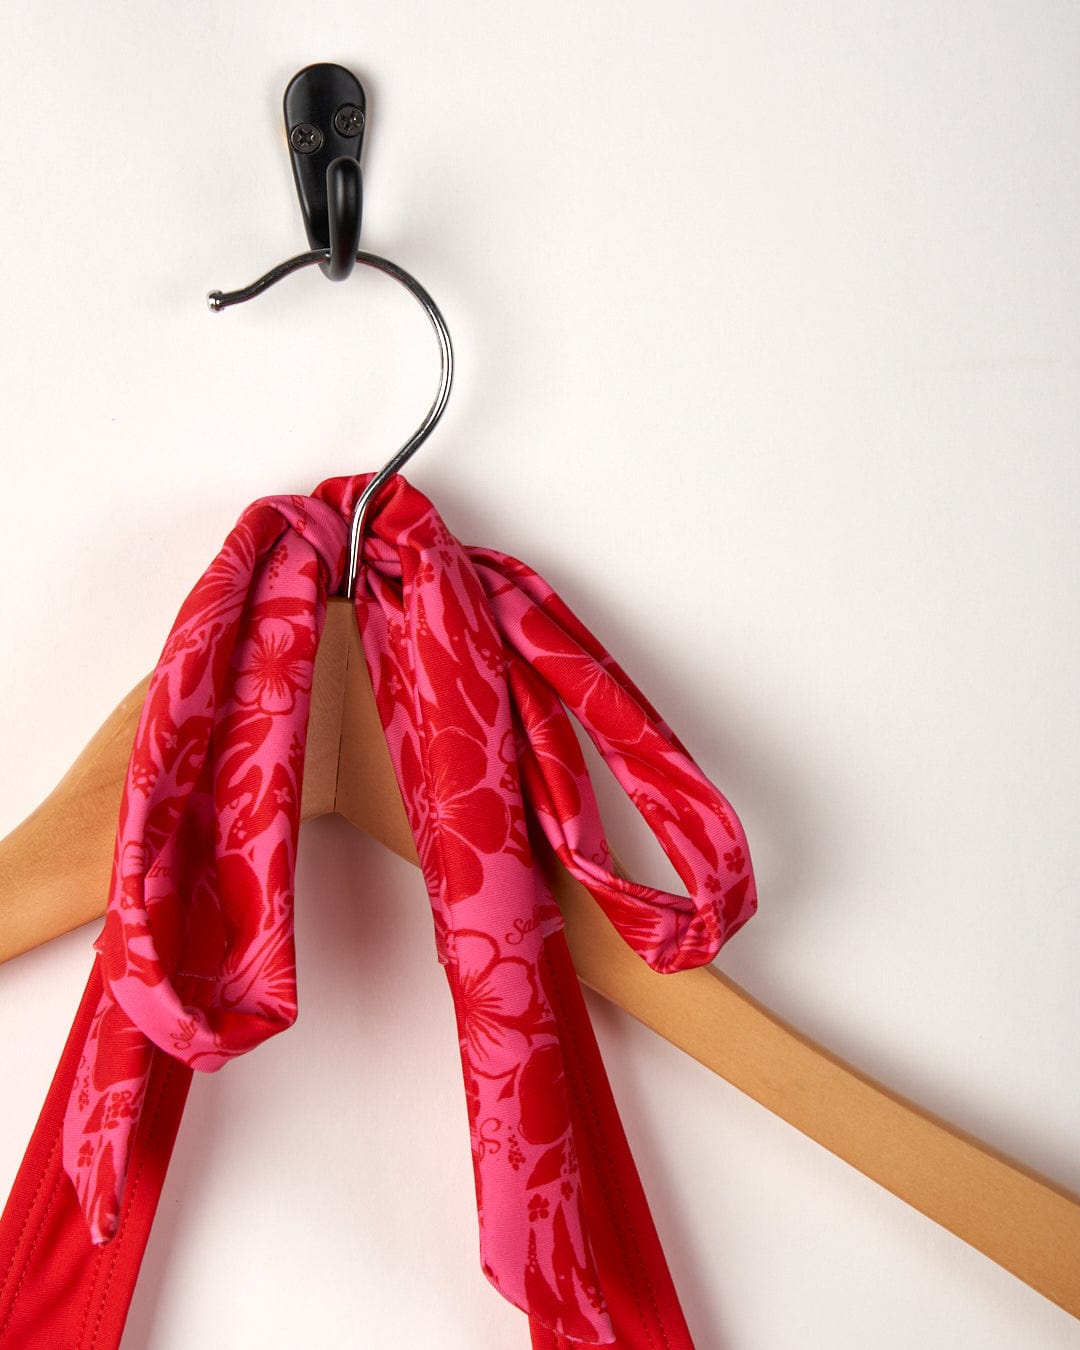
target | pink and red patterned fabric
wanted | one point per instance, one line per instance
(476, 665)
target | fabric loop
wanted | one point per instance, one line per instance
(555, 661)
(206, 841)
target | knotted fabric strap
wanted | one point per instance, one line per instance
(475, 662)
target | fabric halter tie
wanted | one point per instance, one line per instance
(474, 661)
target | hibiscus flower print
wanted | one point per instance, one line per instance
(587, 686)
(538, 1208)
(472, 817)
(550, 747)
(500, 1007)
(275, 664)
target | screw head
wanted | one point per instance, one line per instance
(349, 120)
(305, 138)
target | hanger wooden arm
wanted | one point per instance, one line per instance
(55, 866)
(1022, 1221)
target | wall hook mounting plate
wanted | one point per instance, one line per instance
(325, 117)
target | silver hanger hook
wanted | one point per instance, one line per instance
(221, 300)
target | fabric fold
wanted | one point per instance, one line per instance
(477, 667)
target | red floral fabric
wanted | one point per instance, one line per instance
(476, 665)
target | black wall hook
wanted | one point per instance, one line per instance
(324, 121)
(325, 113)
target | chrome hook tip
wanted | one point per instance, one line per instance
(215, 301)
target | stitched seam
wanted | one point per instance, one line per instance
(609, 1180)
(133, 1184)
(26, 1223)
(37, 1235)
(90, 1293)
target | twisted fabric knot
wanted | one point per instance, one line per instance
(476, 665)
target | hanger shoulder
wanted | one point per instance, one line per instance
(49, 887)
(1020, 1220)
(54, 867)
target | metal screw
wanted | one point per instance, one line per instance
(349, 120)
(305, 138)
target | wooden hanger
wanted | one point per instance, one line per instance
(1023, 1221)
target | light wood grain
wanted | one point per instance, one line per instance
(1022, 1221)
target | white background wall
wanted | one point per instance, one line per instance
(768, 338)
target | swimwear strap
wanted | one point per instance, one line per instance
(476, 665)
